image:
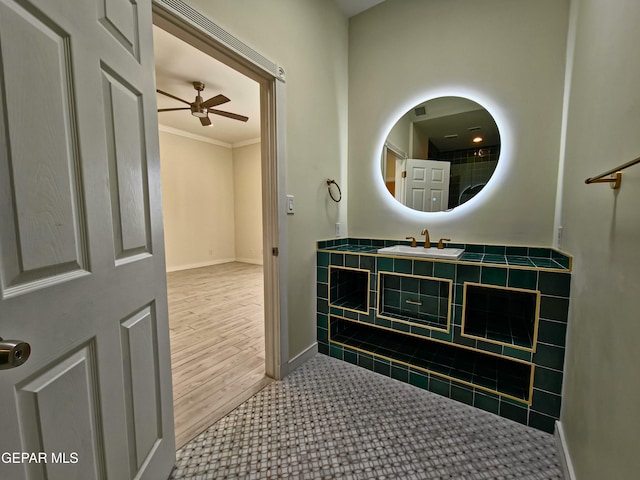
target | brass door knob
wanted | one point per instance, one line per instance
(13, 353)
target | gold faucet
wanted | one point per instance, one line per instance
(413, 241)
(427, 242)
(441, 242)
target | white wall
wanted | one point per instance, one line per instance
(308, 38)
(247, 186)
(508, 56)
(600, 413)
(197, 201)
(212, 202)
(399, 134)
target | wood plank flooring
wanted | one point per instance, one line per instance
(216, 321)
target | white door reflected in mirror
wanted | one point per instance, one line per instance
(427, 185)
(440, 154)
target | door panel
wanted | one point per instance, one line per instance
(82, 274)
(45, 239)
(62, 396)
(118, 17)
(417, 185)
(142, 383)
(127, 168)
(437, 199)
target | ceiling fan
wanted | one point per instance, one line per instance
(202, 109)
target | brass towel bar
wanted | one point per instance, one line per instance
(617, 172)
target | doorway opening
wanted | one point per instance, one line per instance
(225, 325)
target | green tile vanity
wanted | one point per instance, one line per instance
(487, 329)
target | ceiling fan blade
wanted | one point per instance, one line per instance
(235, 116)
(172, 109)
(214, 101)
(205, 121)
(173, 96)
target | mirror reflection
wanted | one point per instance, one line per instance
(440, 154)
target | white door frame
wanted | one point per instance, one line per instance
(189, 25)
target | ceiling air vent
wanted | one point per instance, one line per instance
(420, 111)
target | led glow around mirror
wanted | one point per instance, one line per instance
(432, 160)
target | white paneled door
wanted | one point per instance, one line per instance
(427, 187)
(81, 250)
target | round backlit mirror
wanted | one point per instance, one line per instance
(440, 154)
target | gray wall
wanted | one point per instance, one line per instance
(510, 55)
(600, 413)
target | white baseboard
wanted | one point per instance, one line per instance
(307, 354)
(253, 261)
(177, 268)
(563, 451)
(208, 263)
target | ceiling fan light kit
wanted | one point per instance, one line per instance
(198, 113)
(202, 109)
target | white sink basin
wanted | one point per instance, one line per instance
(433, 252)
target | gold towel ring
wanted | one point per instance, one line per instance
(329, 182)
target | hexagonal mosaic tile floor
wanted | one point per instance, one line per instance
(333, 420)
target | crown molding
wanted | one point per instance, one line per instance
(193, 136)
(244, 143)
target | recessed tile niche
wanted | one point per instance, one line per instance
(505, 316)
(414, 299)
(349, 288)
(492, 373)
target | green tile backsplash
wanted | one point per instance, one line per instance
(433, 359)
(523, 279)
(444, 270)
(494, 276)
(467, 273)
(556, 284)
(486, 254)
